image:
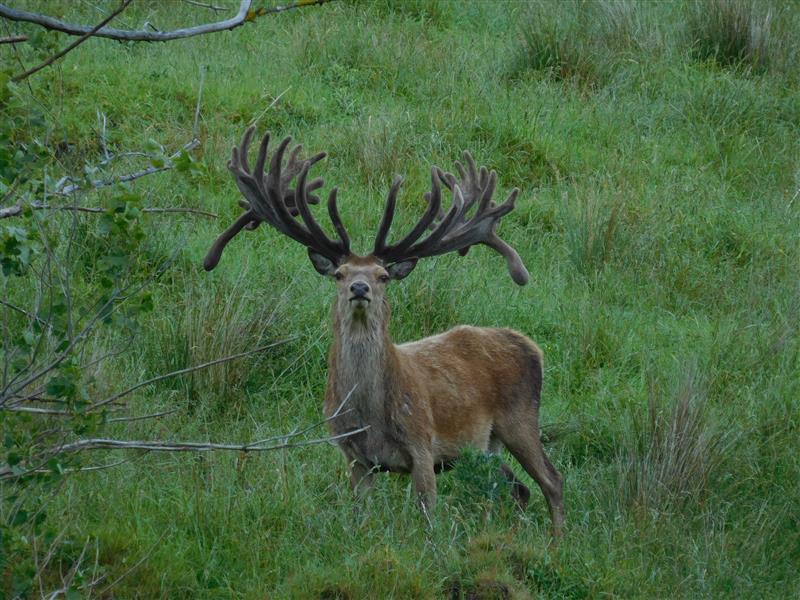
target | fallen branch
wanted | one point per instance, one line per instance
(244, 15)
(167, 446)
(73, 45)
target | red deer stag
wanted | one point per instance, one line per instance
(422, 402)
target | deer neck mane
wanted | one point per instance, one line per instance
(365, 357)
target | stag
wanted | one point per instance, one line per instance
(421, 402)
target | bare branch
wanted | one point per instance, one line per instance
(13, 39)
(211, 363)
(167, 446)
(244, 15)
(13, 211)
(201, 5)
(73, 45)
(65, 191)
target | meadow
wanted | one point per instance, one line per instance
(657, 150)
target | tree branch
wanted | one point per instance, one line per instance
(13, 39)
(167, 446)
(65, 191)
(13, 211)
(73, 45)
(244, 15)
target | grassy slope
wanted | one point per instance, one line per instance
(658, 218)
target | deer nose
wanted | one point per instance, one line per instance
(360, 289)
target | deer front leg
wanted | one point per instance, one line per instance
(424, 479)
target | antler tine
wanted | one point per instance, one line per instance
(318, 239)
(398, 250)
(268, 199)
(333, 212)
(455, 230)
(388, 216)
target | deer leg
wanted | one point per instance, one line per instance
(519, 490)
(522, 440)
(361, 479)
(424, 479)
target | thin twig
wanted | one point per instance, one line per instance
(203, 69)
(135, 566)
(65, 191)
(201, 5)
(211, 363)
(24, 312)
(143, 417)
(73, 45)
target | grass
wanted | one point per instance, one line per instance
(658, 217)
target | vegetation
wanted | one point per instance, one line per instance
(656, 148)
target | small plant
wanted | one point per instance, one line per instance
(591, 232)
(674, 452)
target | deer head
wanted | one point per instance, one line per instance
(362, 280)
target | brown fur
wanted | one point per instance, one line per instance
(425, 401)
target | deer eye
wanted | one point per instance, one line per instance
(338, 276)
(383, 278)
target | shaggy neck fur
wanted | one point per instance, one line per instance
(365, 354)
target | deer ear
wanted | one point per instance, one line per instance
(400, 270)
(323, 265)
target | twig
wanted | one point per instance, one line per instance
(133, 567)
(271, 104)
(143, 417)
(211, 363)
(101, 120)
(188, 147)
(73, 45)
(201, 5)
(203, 69)
(24, 312)
(13, 39)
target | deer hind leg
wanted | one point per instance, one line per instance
(521, 437)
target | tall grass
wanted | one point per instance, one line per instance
(732, 32)
(674, 452)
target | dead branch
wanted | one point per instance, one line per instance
(205, 365)
(167, 446)
(244, 15)
(62, 190)
(13, 39)
(201, 5)
(13, 211)
(73, 45)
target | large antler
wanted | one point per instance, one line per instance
(455, 230)
(271, 200)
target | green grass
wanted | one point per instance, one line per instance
(659, 220)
